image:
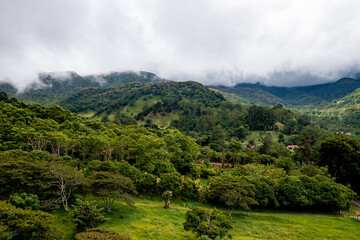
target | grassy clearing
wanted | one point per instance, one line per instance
(88, 114)
(138, 106)
(151, 221)
(163, 121)
(63, 223)
(258, 136)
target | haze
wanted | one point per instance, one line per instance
(283, 43)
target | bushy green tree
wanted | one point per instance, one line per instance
(25, 201)
(318, 192)
(207, 222)
(171, 182)
(260, 118)
(22, 175)
(111, 187)
(264, 189)
(19, 224)
(232, 191)
(66, 179)
(341, 156)
(85, 215)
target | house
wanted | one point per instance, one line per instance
(292, 147)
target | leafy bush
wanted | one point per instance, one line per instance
(319, 192)
(21, 224)
(25, 201)
(208, 223)
(170, 181)
(100, 234)
(111, 187)
(147, 184)
(188, 188)
(85, 215)
(265, 190)
(21, 175)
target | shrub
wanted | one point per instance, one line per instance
(170, 181)
(25, 201)
(85, 215)
(20, 224)
(207, 223)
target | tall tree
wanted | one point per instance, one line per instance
(342, 157)
(66, 179)
(207, 223)
(233, 191)
(111, 187)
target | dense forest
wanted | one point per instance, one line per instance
(212, 152)
(299, 97)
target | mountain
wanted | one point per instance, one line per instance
(346, 109)
(53, 87)
(249, 96)
(293, 96)
(159, 101)
(8, 88)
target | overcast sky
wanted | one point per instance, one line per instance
(279, 42)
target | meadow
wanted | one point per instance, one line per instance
(149, 220)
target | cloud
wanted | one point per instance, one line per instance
(278, 42)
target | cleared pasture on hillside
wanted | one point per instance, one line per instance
(149, 220)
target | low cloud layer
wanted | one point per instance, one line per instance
(278, 42)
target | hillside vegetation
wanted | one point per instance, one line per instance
(294, 96)
(53, 87)
(182, 145)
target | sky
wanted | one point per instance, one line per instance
(224, 42)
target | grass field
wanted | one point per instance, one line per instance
(149, 220)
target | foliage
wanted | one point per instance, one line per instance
(111, 187)
(296, 96)
(341, 156)
(152, 221)
(232, 191)
(19, 224)
(85, 215)
(22, 175)
(264, 189)
(25, 201)
(260, 118)
(100, 234)
(171, 182)
(318, 192)
(66, 179)
(207, 222)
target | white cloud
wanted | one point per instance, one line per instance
(280, 42)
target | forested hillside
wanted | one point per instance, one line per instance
(164, 140)
(116, 162)
(294, 96)
(53, 87)
(188, 106)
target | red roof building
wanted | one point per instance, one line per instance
(292, 147)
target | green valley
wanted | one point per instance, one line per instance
(149, 159)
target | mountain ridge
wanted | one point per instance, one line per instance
(52, 88)
(295, 96)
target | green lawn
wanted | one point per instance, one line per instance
(151, 221)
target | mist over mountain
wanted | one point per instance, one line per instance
(55, 86)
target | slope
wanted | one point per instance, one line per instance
(53, 87)
(295, 96)
(250, 96)
(156, 101)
